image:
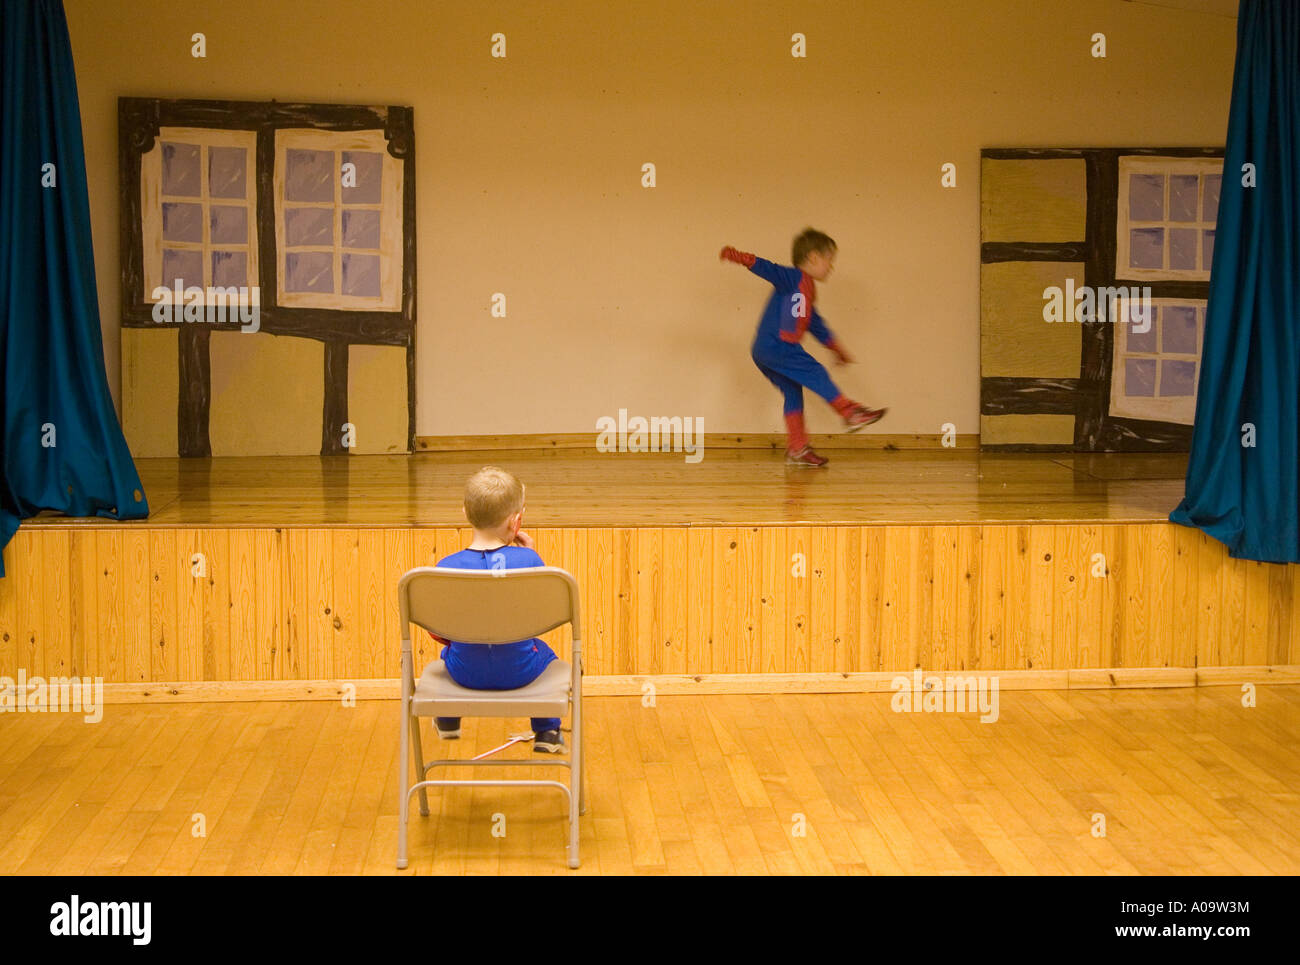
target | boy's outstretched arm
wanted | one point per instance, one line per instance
(786, 279)
(821, 331)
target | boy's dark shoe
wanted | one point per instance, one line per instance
(548, 742)
(450, 734)
(805, 457)
(859, 417)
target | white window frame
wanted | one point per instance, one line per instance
(1180, 410)
(1166, 166)
(390, 250)
(151, 202)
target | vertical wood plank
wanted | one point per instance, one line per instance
(1065, 597)
(191, 596)
(55, 618)
(647, 597)
(244, 642)
(371, 603)
(1183, 612)
(748, 594)
(215, 545)
(699, 599)
(995, 543)
(848, 598)
(548, 543)
(270, 626)
(599, 630)
(83, 566)
(31, 603)
(1158, 581)
(136, 658)
(821, 600)
(1232, 630)
(346, 580)
(1281, 612)
(896, 592)
(112, 619)
(920, 612)
(1017, 597)
(676, 570)
(297, 604)
(1113, 602)
(398, 558)
(1293, 653)
(624, 651)
(1134, 641)
(873, 585)
(798, 597)
(1209, 600)
(165, 575)
(943, 651)
(319, 658)
(969, 549)
(1254, 646)
(1037, 652)
(1089, 576)
(773, 615)
(726, 592)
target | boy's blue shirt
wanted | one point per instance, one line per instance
(781, 318)
(466, 661)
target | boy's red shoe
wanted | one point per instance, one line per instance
(805, 457)
(859, 417)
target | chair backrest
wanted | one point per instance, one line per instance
(488, 606)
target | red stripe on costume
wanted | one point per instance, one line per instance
(808, 289)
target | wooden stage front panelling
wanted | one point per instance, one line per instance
(319, 602)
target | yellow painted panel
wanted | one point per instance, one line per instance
(377, 397)
(1005, 430)
(150, 390)
(1015, 339)
(268, 394)
(1033, 200)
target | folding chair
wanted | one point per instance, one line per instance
(481, 607)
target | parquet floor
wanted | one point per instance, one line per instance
(1187, 781)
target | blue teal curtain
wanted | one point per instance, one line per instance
(62, 445)
(1248, 496)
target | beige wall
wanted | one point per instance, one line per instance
(529, 173)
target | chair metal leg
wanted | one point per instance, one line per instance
(579, 775)
(419, 765)
(404, 804)
(575, 795)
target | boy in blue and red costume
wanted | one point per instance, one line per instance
(790, 312)
(494, 506)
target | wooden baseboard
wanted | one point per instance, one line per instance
(1116, 678)
(720, 440)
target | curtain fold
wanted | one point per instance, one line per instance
(62, 446)
(1243, 475)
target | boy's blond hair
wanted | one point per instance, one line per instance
(811, 240)
(492, 496)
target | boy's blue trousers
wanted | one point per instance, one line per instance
(790, 368)
(483, 673)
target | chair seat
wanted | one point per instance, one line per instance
(437, 695)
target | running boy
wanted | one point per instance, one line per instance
(494, 506)
(776, 350)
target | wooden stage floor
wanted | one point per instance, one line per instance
(737, 487)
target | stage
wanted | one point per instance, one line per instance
(729, 487)
(276, 577)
